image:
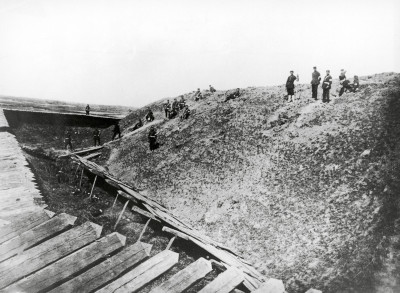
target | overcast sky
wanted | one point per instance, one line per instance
(134, 52)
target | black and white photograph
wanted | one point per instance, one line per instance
(198, 146)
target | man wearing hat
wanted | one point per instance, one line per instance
(290, 86)
(326, 86)
(316, 79)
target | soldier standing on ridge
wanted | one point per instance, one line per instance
(197, 95)
(167, 109)
(96, 136)
(290, 86)
(116, 131)
(67, 140)
(316, 79)
(342, 78)
(175, 105)
(152, 138)
(87, 109)
(182, 103)
(212, 90)
(326, 86)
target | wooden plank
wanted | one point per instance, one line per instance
(175, 232)
(6, 215)
(143, 273)
(91, 156)
(83, 151)
(121, 213)
(35, 235)
(271, 286)
(144, 213)
(106, 271)
(185, 278)
(225, 282)
(69, 265)
(45, 253)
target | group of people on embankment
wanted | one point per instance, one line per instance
(345, 84)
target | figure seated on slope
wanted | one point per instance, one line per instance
(185, 113)
(138, 125)
(232, 95)
(150, 116)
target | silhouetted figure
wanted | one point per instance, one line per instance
(290, 86)
(138, 125)
(235, 94)
(150, 116)
(356, 84)
(96, 137)
(342, 79)
(167, 108)
(182, 103)
(87, 109)
(326, 86)
(185, 113)
(68, 140)
(212, 90)
(197, 95)
(152, 136)
(116, 131)
(315, 81)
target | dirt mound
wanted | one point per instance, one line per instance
(301, 190)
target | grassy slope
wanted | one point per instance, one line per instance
(298, 200)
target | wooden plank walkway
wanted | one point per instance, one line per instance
(225, 282)
(185, 278)
(143, 274)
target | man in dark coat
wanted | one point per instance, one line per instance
(342, 79)
(316, 79)
(182, 103)
(186, 113)
(150, 116)
(212, 90)
(116, 131)
(152, 136)
(68, 140)
(326, 86)
(167, 108)
(290, 86)
(96, 137)
(87, 109)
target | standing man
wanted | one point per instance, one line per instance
(182, 103)
(87, 109)
(152, 138)
(197, 95)
(167, 109)
(326, 86)
(290, 86)
(67, 140)
(96, 136)
(342, 79)
(316, 79)
(175, 105)
(116, 131)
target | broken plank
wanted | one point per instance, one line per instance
(69, 265)
(35, 235)
(144, 213)
(143, 274)
(185, 278)
(106, 271)
(91, 156)
(47, 252)
(271, 286)
(225, 282)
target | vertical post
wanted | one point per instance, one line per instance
(115, 200)
(120, 215)
(144, 229)
(94, 183)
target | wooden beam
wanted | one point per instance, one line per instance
(69, 265)
(47, 252)
(107, 270)
(271, 286)
(120, 215)
(91, 156)
(144, 213)
(31, 237)
(176, 232)
(143, 274)
(144, 229)
(23, 223)
(170, 243)
(94, 184)
(80, 181)
(185, 278)
(225, 282)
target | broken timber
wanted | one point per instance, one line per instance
(225, 282)
(252, 278)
